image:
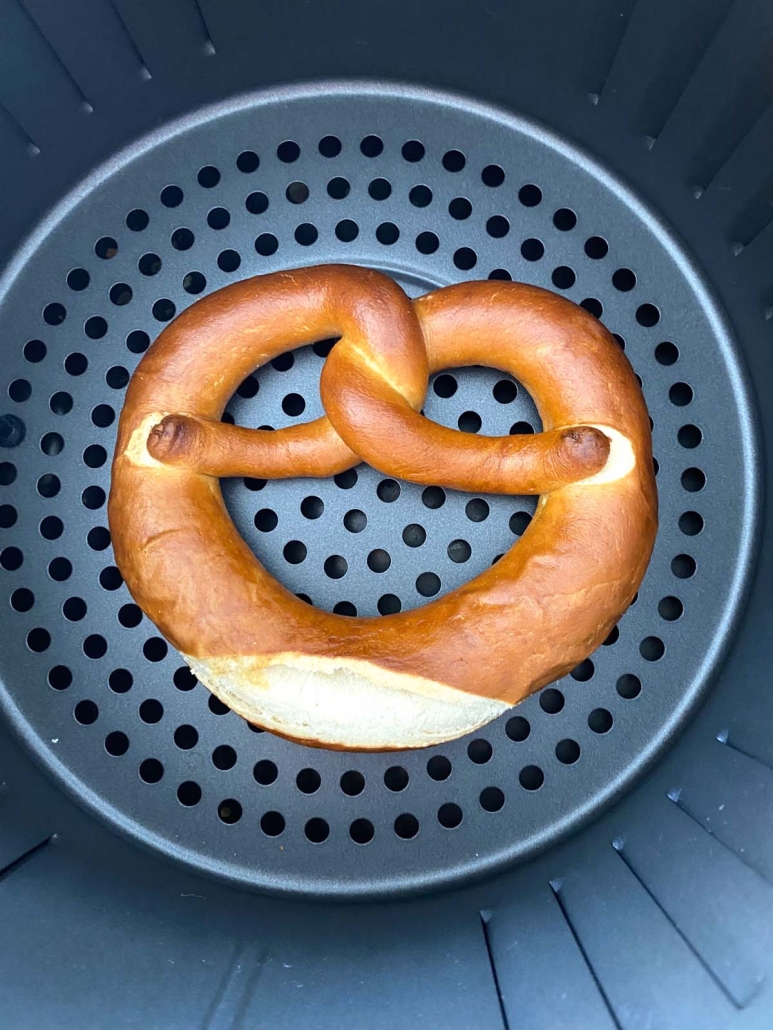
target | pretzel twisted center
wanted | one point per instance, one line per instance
(372, 387)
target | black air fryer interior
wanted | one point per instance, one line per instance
(161, 863)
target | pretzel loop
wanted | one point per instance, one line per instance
(371, 391)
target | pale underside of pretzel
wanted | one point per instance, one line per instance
(437, 672)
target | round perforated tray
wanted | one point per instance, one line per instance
(431, 189)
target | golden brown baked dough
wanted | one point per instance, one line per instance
(440, 671)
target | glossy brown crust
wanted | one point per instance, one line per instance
(219, 449)
(365, 392)
(525, 621)
(504, 465)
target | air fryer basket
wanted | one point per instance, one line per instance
(163, 864)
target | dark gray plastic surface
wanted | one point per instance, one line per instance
(676, 98)
(251, 189)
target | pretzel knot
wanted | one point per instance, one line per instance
(374, 384)
(440, 670)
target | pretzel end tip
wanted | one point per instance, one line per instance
(170, 438)
(588, 444)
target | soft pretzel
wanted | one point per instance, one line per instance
(437, 672)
